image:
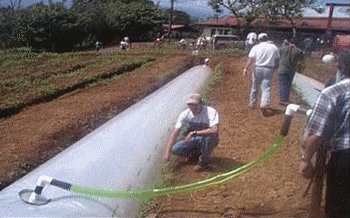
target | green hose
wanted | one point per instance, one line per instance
(151, 193)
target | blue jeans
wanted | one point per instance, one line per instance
(261, 77)
(201, 145)
(285, 83)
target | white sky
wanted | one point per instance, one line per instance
(200, 7)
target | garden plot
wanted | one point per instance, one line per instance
(47, 76)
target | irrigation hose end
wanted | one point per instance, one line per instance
(34, 196)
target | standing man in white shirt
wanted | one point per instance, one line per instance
(262, 61)
(250, 41)
(200, 124)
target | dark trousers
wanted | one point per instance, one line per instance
(338, 185)
(285, 83)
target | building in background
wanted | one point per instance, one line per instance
(315, 27)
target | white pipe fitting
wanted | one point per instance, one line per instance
(291, 109)
(308, 112)
(44, 181)
(41, 183)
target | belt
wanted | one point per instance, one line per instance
(270, 67)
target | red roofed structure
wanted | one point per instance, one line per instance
(317, 25)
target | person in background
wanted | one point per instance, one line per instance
(264, 57)
(182, 44)
(308, 45)
(98, 45)
(250, 41)
(124, 45)
(290, 58)
(329, 127)
(331, 59)
(200, 125)
(127, 40)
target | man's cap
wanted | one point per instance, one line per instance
(194, 98)
(328, 58)
(262, 36)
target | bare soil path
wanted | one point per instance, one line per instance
(273, 189)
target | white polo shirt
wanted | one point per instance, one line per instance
(265, 53)
(208, 117)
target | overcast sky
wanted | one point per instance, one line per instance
(200, 8)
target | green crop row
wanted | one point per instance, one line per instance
(17, 93)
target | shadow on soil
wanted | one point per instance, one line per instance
(217, 165)
(223, 164)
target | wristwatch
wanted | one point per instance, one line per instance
(194, 133)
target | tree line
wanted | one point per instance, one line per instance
(271, 10)
(56, 27)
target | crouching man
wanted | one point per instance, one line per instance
(200, 124)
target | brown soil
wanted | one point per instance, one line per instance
(272, 189)
(39, 132)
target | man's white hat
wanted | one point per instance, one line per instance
(262, 36)
(328, 58)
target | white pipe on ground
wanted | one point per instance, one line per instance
(308, 88)
(123, 154)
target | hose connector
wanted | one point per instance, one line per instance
(35, 196)
(41, 183)
(291, 109)
(288, 115)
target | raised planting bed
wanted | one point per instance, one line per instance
(28, 89)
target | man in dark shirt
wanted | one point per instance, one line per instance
(290, 57)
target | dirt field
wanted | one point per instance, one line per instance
(273, 189)
(38, 132)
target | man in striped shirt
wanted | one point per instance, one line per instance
(329, 125)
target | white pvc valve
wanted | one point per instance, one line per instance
(291, 109)
(44, 181)
(308, 112)
(41, 183)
